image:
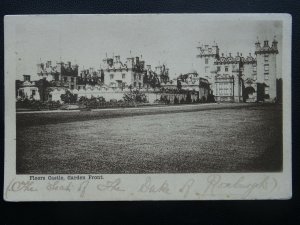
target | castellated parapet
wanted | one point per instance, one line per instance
(207, 54)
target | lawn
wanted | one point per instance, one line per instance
(242, 139)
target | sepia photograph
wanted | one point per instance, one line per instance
(147, 94)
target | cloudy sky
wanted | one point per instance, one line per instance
(160, 39)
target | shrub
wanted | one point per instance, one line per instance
(68, 97)
(37, 105)
(211, 98)
(176, 101)
(135, 97)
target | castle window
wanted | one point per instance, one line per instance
(266, 90)
(206, 60)
(123, 76)
(266, 76)
(72, 87)
(111, 76)
(26, 77)
(134, 84)
(266, 58)
(72, 79)
(226, 68)
(266, 67)
(33, 92)
(218, 68)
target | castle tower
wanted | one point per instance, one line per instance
(266, 70)
(130, 62)
(207, 55)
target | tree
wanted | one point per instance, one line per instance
(68, 97)
(176, 101)
(43, 87)
(135, 97)
(188, 97)
(179, 86)
(164, 74)
(211, 98)
(102, 76)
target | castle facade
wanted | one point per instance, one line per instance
(61, 74)
(240, 78)
(122, 75)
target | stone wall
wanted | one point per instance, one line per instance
(152, 97)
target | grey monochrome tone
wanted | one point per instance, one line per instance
(102, 95)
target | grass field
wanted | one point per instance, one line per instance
(198, 140)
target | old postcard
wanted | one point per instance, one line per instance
(147, 107)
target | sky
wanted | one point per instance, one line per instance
(170, 39)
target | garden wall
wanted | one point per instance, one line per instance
(152, 97)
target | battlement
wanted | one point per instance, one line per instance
(65, 69)
(266, 48)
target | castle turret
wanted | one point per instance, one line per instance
(257, 46)
(137, 60)
(117, 59)
(207, 56)
(130, 62)
(110, 61)
(266, 71)
(48, 64)
(59, 66)
(158, 69)
(274, 45)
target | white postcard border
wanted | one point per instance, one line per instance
(198, 186)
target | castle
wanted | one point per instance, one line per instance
(113, 73)
(133, 73)
(223, 78)
(238, 78)
(62, 74)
